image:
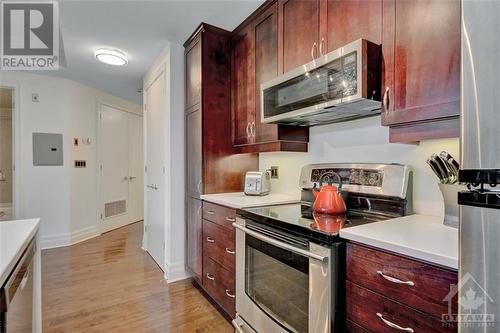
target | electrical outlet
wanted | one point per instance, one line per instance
(274, 172)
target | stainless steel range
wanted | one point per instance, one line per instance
(290, 261)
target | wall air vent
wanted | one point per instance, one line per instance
(115, 208)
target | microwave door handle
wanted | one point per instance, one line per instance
(280, 244)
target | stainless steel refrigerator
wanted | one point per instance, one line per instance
(479, 283)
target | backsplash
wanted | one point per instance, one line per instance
(364, 140)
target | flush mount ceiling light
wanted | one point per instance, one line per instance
(111, 57)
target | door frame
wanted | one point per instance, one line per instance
(17, 206)
(147, 85)
(100, 103)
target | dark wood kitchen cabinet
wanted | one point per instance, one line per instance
(344, 21)
(243, 97)
(421, 81)
(299, 23)
(219, 255)
(193, 76)
(383, 287)
(255, 61)
(194, 242)
(208, 133)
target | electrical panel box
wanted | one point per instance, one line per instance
(47, 149)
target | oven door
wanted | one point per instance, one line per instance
(282, 286)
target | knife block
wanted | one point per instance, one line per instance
(450, 197)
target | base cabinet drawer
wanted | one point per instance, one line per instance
(221, 215)
(219, 244)
(378, 313)
(220, 284)
(419, 285)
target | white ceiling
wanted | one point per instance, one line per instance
(140, 29)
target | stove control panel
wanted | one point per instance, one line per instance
(349, 176)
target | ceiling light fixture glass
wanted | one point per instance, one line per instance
(111, 57)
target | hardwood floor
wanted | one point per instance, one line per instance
(108, 284)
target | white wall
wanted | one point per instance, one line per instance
(172, 59)
(63, 197)
(364, 140)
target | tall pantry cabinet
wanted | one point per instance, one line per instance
(208, 132)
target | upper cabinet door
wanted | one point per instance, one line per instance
(243, 92)
(421, 50)
(299, 32)
(266, 67)
(194, 154)
(193, 75)
(348, 20)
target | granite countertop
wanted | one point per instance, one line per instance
(15, 237)
(239, 200)
(418, 236)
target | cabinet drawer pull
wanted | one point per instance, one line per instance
(210, 212)
(230, 219)
(229, 251)
(394, 280)
(210, 240)
(228, 293)
(395, 326)
(210, 277)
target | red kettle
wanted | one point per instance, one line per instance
(329, 200)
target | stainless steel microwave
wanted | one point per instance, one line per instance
(342, 85)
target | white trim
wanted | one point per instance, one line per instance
(176, 272)
(17, 205)
(67, 239)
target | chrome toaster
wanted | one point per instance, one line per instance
(257, 183)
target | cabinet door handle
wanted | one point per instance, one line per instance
(248, 130)
(228, 293)
(210, 240)
(395, 326)
(321, 46)
(199, 211)
(385, 99)
(230, 219)
(313, 50)
(252, 129)
(210, 277)
(198, 186)
(210, 212)
(394, 280)
(229, 251)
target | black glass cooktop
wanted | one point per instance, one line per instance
(301, 220)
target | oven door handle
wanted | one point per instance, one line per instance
(280, 244)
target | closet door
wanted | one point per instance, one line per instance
(136, 168)
(114, 151)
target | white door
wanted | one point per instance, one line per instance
(155, 191)
(136, 168)
(121, 168)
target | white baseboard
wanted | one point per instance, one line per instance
(176, 272)
(67, 239)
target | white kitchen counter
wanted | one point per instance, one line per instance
(14, 239)
(240, 200)
(418, 236)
